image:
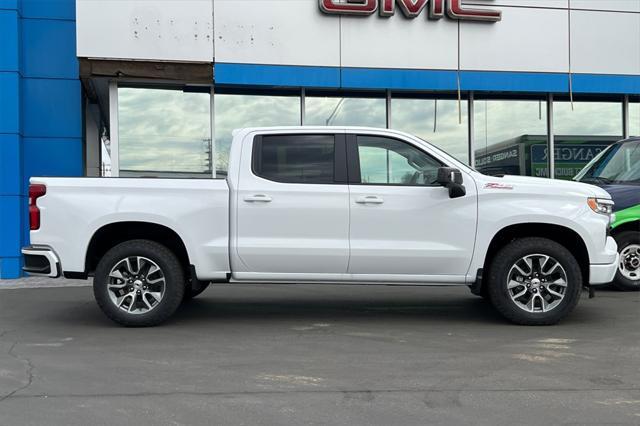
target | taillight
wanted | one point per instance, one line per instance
(35, 191)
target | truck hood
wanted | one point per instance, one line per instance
(523, 184)
(624, 196)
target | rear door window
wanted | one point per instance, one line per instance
(306, 159)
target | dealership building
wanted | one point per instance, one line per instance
(132, 88)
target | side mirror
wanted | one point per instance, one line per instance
(451, 179)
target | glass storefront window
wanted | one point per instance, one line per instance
(238, 111)
(435, 121)
(582, 133)
(511, 137)
(634, 119)
(332, 111)
(163, 133)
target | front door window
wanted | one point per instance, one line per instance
(386, 161)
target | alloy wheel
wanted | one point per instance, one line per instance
(537, 283)
(136, 285)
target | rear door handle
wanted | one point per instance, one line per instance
(259, 198)
(369, 199)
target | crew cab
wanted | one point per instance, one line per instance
(617, 170)
(325, 205)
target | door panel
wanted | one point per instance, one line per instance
(284, 227)
(400, 222)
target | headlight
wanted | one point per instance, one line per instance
(602, 206)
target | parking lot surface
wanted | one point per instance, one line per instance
(297, 355)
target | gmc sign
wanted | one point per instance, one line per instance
(410, 8)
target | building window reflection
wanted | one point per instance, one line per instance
(634, 119)
(233, 111)
(435, 120)
(345, 111)
(510, 137)
(167, 132)
(163, 132)
(582, 132)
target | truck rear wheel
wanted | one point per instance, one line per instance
(628, 275)
(534, 281)
(139, 283)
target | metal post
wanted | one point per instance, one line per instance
(471, 128)
(214, 153)
(625, 117)
(113, 128)
(388, 103)
(551, 137)
(303, 101)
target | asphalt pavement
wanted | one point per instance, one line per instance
(298, 355)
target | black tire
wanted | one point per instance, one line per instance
(507, 257)
(624, 240)
(194, 289)
(173, 283)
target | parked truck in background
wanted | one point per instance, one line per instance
(617, 170)
(325, 205)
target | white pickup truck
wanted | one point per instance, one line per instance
(325, 205)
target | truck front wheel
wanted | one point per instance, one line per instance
(139, 283)
(534, 281)
(628, 276)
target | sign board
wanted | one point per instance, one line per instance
(436, 9)
(570, 158)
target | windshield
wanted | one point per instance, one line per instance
(620, 163)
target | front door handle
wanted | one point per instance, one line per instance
(369, 199)
(259, 198)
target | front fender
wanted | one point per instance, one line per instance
(499, 211)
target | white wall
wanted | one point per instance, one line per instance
(171, 30)
(288, 32)
(605, 42)
(533, 35)
(527, 39)
(397, 42)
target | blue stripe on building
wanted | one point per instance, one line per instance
(408, 79)
(40, 112)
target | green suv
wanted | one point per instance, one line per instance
(617, 170)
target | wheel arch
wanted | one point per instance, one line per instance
(633, 226)
(558, 233)
(112, 234)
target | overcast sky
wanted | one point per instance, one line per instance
(165, 130)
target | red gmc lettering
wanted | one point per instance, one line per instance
(436, 11)
(411, 9)
(456, 11)
(364, 7)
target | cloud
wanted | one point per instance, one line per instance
(588, 118)
(238, 111)
(368, 112)
(168, 129)
(634, 119)
(418, 116)
(163, 130)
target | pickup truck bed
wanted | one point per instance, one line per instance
(196, 210)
